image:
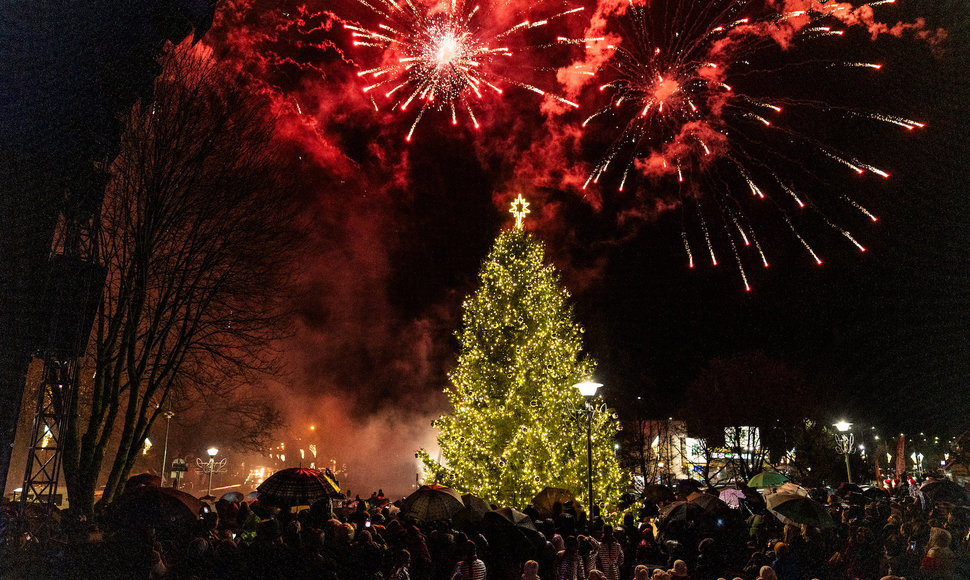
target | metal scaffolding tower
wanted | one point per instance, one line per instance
(72, 292)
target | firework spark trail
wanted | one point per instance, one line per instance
(671, 87)
(443, 57)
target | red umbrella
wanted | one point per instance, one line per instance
(432, 502)
(296, 486)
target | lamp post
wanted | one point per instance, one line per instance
(844, 445)
(168, 421)
(588, 390)
(210, 467)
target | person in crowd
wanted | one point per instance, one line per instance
(399, 569)
(587, 552)
(569, 562)
(470, 568)
(767, 573)
(940, 560)
(679, 571)
(648, 551)
(609, 556)
(530, 570)
(421, 565)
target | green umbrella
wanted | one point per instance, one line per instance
(767, 479)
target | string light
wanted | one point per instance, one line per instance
(514, 428)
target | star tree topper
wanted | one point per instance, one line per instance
(520, 208)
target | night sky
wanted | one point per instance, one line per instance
(400, 228)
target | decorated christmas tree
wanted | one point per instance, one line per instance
(518, 423)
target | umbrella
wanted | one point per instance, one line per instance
(296, 486)
(685, 487)
(731, 496)
(708, 502)
(846, 488)
(789, 487)
(151, 506)
(940, 490)
(232, 496)
(797, 509)
(548, 497)
(142, 479)
(471, 515)
(515, 524)
(767, 479)
(475, 504)
(432, 502)
(655, 492)
(681, 510)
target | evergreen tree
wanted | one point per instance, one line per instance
(516, 426)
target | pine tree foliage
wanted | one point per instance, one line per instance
(516, 426)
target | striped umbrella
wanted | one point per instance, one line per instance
(296, 486)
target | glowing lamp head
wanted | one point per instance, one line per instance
(212, 451)
(843, 426)
(588, 388)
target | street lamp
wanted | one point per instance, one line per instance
(588, 390)
(210, 467)
(168, 420)
(844, 445)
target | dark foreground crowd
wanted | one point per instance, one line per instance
(876, 538)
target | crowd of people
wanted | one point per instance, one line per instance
(876, 536)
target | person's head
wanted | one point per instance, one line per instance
(767, 573)
(659, 574)
(939, 538)
(680, 568)
(607, 533)
(402, 558)
(470, 550)
(531, 569)
(781, 550)
(641, 572)
(596, 575)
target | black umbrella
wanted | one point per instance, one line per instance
(655, 493)
(710, 503)
(432, 503)
(793, 508)
(515, 524)
(681, 510)
(945, 490)
(471, 515)
(157, 507)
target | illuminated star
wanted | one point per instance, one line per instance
(520, 208)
